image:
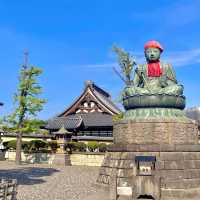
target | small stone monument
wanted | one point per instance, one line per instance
(155, 150)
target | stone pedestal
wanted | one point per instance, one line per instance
(62, 159)
(174, 144)
(156, 131)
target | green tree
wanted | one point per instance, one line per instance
(27, 105)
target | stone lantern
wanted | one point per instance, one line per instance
(62, 136)
(61, 157)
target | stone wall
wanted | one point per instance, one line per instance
(31, 158)
(87, 159)
(82, 159)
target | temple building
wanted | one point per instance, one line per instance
(89, 117)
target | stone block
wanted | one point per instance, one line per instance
(191, 155)
(174, 184)
(171, 174)
(177, 194)
(126, 164)
(192, 183)
(159, 165)
(114, 163)
(192, 174)
(124, 156)
(165, 156)
(167, 147)
(192, 164)
(124, 173)
(187, 148)
(174, 164)
(172, 194)
(149, 148)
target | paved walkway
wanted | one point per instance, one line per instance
(39, 182)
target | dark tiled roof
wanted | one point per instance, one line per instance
(107, 101)
(101, 95)
(98, 89)
(76, 120)
(68, 122)
(96, 119)
(31, 135)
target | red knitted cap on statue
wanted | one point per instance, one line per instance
(153, 44)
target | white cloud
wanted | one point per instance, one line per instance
(184, 58)
(177, 59)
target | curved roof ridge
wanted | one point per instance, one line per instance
(103, 96)
(107, 102)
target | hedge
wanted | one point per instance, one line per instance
(33, 145)
(36, 145)
(53, 145)
(82, 147)
(41, 146)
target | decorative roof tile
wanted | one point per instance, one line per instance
(76, 120)
(67, 122)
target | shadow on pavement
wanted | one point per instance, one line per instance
(27, 175)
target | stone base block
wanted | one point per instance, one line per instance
(178, 172)
(61, 159)
(156, 131)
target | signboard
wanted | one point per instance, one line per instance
(126, 191)
(145, 165)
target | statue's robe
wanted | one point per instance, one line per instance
(164, 83)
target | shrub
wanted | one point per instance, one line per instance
(37, 145)
(25, 146)
(92, 146)
(75, 146)
(11, 144)
(81, 146)
(70, 146)
(102, 147)
(5, 144)
(53, 145)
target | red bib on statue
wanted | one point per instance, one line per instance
(154, 69)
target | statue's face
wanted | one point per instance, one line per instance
(152, 54)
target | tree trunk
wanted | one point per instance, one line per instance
(18, 148)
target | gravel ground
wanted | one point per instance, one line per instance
(42, 182)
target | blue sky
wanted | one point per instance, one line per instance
(71, 41)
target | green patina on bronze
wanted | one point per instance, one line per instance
(147, 113)
(152, 97)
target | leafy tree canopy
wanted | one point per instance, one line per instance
(27, 104)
